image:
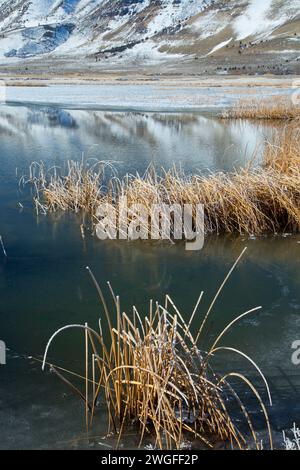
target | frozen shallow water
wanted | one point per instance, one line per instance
(147, 97)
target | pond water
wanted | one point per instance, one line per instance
(44, 284)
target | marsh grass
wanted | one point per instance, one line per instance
(254, 200)
(274, 108)
(151, 372)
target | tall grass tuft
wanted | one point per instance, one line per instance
(152, 372)
(275, 108)
(255, 200)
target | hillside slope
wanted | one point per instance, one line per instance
(256, 36)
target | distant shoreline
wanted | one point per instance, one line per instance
(140, 93)
(14, 77)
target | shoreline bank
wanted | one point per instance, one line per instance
(140, 93)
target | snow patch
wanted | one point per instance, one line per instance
(254, 20)
(41, 39)
(208, 24)
(172, 14)
(219, 46)
(11, 42)
(147, 52)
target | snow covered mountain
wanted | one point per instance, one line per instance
(149, 31)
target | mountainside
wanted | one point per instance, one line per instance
(107, 33)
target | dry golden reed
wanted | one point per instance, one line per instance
(273, 108)
(255, 200)
(151, 371)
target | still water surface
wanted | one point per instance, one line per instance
(44, 284)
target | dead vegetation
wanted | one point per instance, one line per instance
(275, 108)
(255, 200)
(150, 370)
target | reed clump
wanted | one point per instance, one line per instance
(274, 108)
(255, 200)
(151, 372)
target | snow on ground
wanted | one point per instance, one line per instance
(171, 15)
(86, 6)
(39, 12)
(147, 52)
(13, 41)
(120, 20)
(219, 46)
(284, 51)
(253, 20)
(9, 19)
(82, 27)
(262, 17)
(208, 24)
(77, 45)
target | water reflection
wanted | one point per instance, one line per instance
(130, 139)
(44, 285)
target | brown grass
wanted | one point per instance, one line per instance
(275, 108)
(255, 200)
(152, 372)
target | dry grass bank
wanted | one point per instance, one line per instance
(255, 200)
(275, 108)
